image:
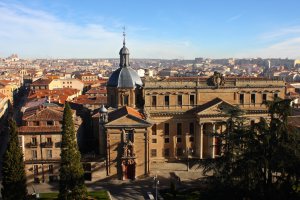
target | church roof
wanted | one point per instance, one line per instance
(124, 77)
(124, 111)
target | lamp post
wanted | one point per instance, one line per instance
(156, 182)
(188, 152)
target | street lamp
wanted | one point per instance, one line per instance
(188, 152)
(156, 182)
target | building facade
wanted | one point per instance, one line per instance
(40, 139)
(173, 118)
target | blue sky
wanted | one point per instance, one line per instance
(165, 29)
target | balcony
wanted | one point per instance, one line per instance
(32, 145)
(47, 144)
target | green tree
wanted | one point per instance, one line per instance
(259, 161)
(13, 171)
(71, 183)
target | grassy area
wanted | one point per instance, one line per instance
(102, 195)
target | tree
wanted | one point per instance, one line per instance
(259, 161)
(71, 183)
(13, 170)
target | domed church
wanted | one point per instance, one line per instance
(123, 129)
(124, 87)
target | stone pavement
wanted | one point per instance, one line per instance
(138, 189)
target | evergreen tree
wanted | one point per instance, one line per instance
(259, 161)
(13, 170)
(71, 183)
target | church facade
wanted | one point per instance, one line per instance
(159, 120)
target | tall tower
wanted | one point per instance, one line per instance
(124, 86)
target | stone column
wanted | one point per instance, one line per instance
(213, 140)
(201, 141)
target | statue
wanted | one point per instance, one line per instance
(216, 80)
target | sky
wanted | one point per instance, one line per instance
(161, 29)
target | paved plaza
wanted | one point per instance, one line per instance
(139, 188)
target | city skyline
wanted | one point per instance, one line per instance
(162, 30)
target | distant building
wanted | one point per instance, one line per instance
(168, 72)
(9, 88)
(66, 83)
(40, 84)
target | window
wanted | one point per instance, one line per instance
(167, 100)
(241, 98)
(154, 140)
(179, 128)
(50, 169)
(179, 152)
(192, 128)
(33, 141)
(34, 154)
(153, 101)
(192, 99)
(154, 132)
(166, 130)
(49, 154)
(167, 152)
(179, 100)
(253, 98)
(35, 170)
(179, 139)
(167, 140)
(49, 140)
(264, 98)
(50, 123)
(153, 153)
(276, 95)
(125, 100)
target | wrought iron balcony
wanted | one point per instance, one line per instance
(47, 144)
(32, 145)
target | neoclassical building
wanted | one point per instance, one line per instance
(158, 120)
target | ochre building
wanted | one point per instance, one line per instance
(159, 120)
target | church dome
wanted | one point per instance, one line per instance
(124, 50)
(124, 77)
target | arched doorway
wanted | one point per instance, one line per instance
(128, 169)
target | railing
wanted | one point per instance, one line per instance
(47, 144)
(32, 145)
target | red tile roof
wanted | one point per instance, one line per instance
(44, 114)
(126, 110)
(85, 99)
(42, 82)
(56, 95)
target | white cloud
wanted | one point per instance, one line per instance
(233, 18)
(281, 43)
(34, 33)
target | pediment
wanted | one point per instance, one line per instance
(213, 107)
(128, 121)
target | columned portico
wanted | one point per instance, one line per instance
(207, 144)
